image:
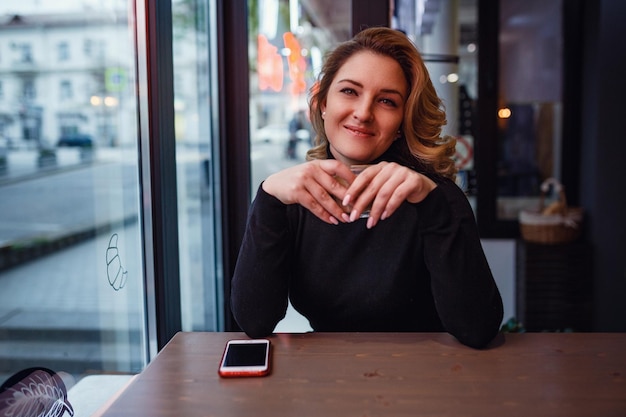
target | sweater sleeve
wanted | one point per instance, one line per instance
(466, 296)
(259, 287)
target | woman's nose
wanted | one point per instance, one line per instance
(363, 111)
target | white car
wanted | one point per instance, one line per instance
(276, 133)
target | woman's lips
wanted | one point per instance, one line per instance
(358, 131)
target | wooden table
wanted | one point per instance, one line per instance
(388, 374)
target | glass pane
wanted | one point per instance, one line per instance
(201, 293)
(288, 40)
(445, 32)
(530, 101)
(71, 271)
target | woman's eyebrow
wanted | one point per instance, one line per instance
(358, 84)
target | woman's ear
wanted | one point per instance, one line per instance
(323, 110)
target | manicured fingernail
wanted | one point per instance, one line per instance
(353, 216)
(384, 216)
(370, 223)
(346, 200)
(333, 220)
(345, 217)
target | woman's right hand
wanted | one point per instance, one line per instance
(313, 185)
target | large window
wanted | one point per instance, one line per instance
(530, 97)
(108, 182)
(529, 102)
(72, 290)
(196, 165)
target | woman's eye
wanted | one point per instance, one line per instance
(388, 102)
(348, 91)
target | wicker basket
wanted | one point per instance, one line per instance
(562, 226)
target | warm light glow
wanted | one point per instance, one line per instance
(95, 101)
(504, 113)
(449, 78)
(110, 101)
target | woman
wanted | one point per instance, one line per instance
(416, 262)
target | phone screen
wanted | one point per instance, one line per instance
(245, 358)
(250, 354)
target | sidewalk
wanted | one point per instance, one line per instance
(41, 212)
(22, 164)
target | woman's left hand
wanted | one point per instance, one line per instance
(385, 186)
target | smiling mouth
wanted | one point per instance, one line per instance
(359, 132)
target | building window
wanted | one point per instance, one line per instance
(93, 48)
(65, 90)
(88, 47)
(63, 51)
(25, 53)
(28, 90)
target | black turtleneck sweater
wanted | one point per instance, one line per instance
(422, 269)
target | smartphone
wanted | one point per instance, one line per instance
(245, 357)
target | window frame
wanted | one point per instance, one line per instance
(489, 225)
(158, 171)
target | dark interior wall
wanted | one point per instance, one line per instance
(603, 160)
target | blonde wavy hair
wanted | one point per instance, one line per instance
(424, 114)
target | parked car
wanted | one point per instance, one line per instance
(83, 142)
(4, 151)
(277, 133)
(76, 140)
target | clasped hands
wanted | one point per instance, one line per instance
(328, 187)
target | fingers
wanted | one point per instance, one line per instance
(329, 190)
(364, 194)
(390, 196)
(382, 188)
(319, 202)
(316, 185)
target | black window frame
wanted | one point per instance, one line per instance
(486, 143)
(158, 171)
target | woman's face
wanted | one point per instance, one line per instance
(364, 107)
